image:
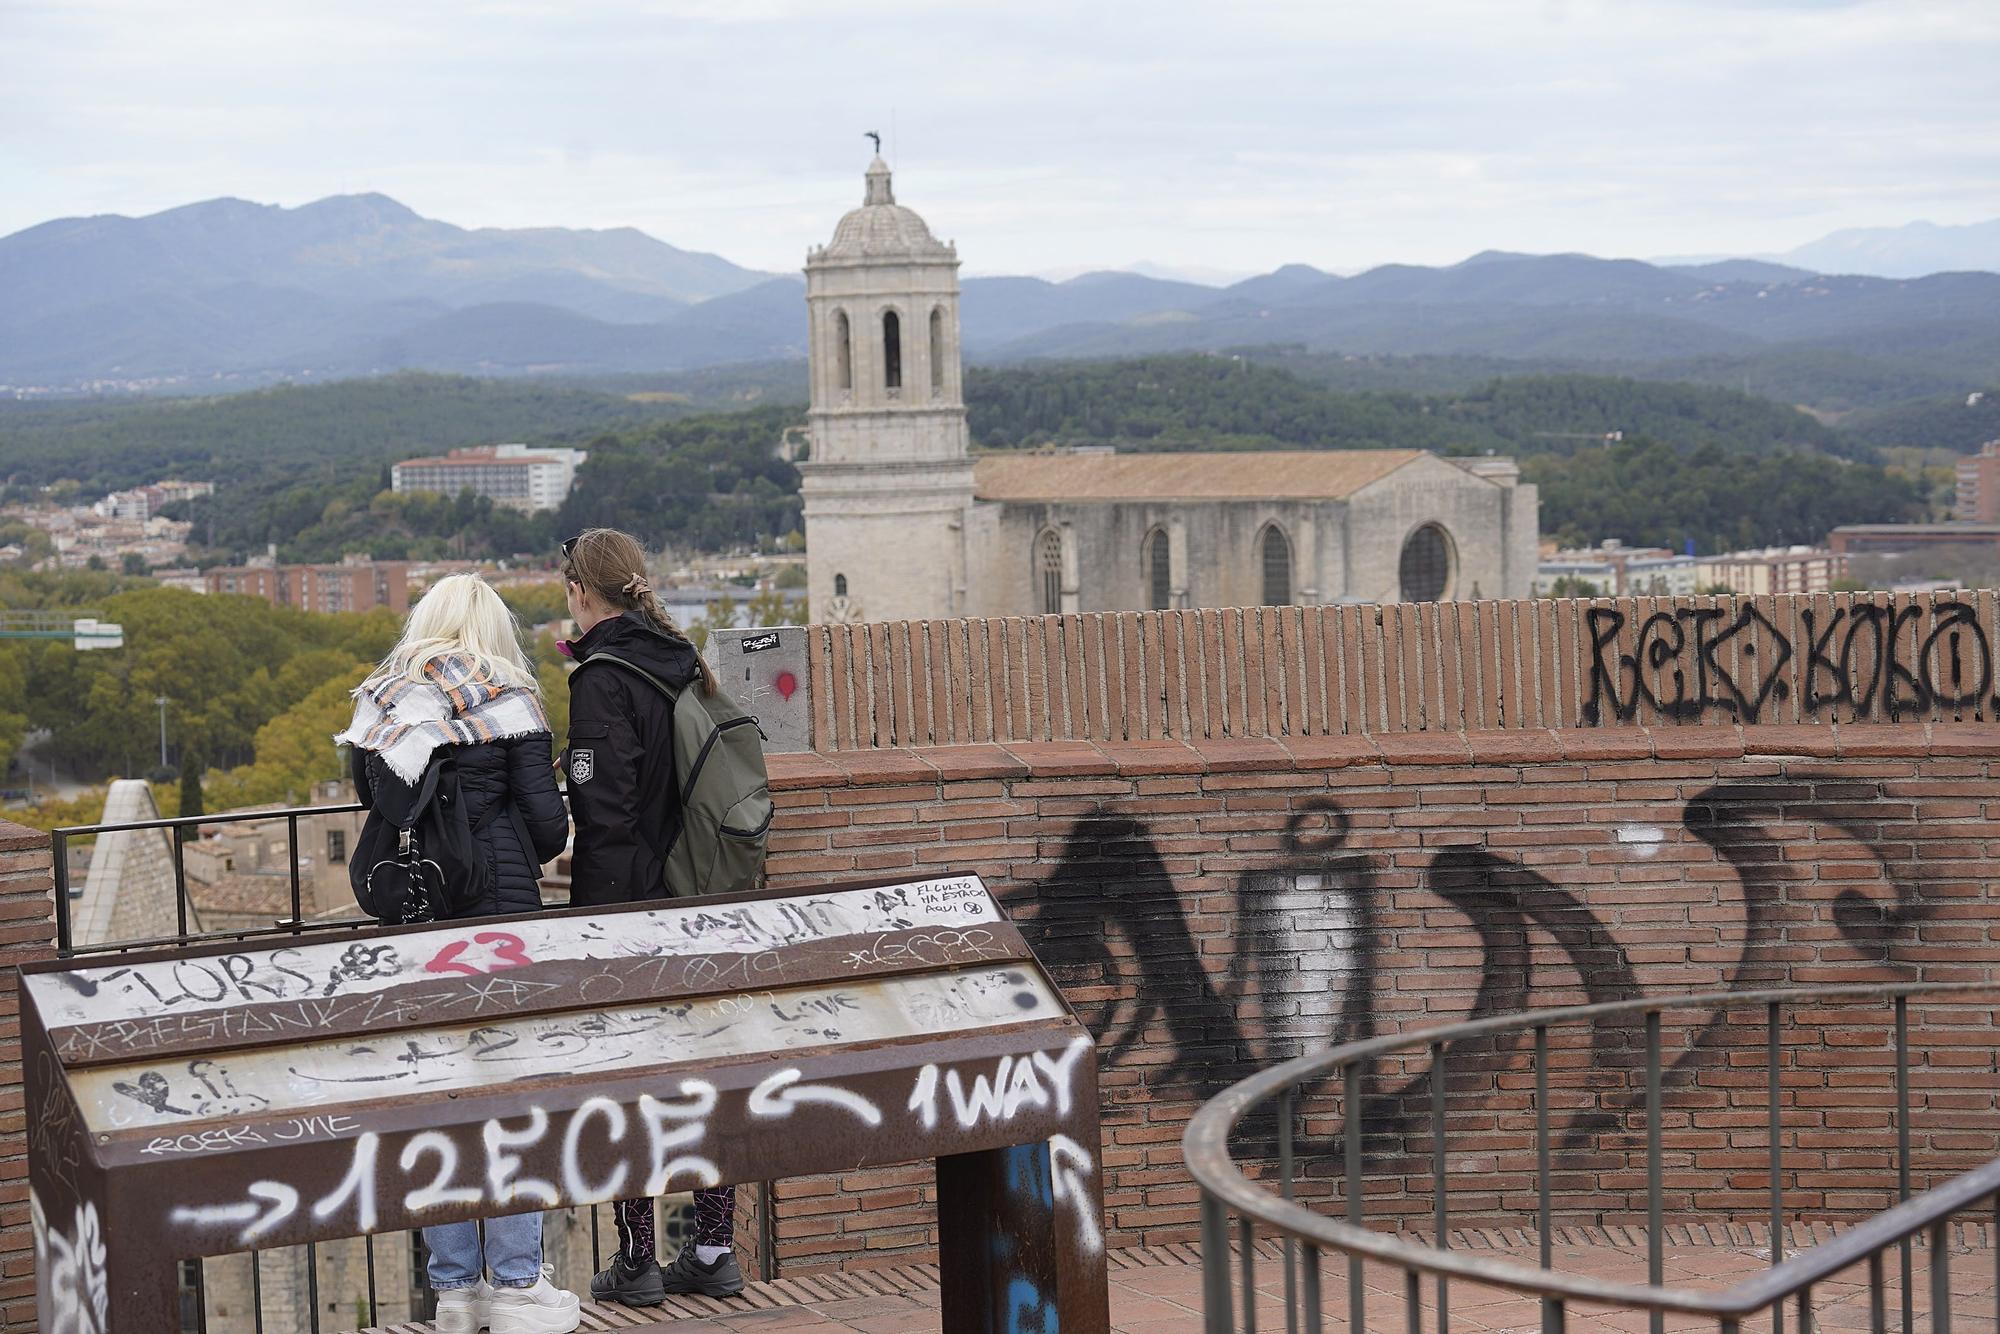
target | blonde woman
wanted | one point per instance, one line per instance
(456, 697)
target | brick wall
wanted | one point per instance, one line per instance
(1211, 908)
(27, 933)
(1414, 667)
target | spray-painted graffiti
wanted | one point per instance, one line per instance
(440, 1060)
(609, 1149)
(902, 1022)
(1300, 969)
(1875, 661)
(476, 959)
(72, 1286)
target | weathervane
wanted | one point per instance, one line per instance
(870, 134)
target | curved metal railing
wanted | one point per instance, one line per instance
(1306, 1233)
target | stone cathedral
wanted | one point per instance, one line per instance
(904, 521)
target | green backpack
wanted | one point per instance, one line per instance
(725, 797)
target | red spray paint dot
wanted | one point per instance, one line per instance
(785, 685)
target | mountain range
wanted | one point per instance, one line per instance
(228, 293)
(1913, 250)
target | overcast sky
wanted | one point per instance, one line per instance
(1042, 136)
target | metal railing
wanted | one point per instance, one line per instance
(180, 830)
(1306, 1234)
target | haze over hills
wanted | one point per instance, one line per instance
(1912, 250)
(229, 294)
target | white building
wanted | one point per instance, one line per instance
(125, 505)
(904, 523)
(1613, 569)
(516, 476)
(1798, 569)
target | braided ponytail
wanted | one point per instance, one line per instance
(649, 604)
(611, 565)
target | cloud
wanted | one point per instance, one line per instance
(1038, 134)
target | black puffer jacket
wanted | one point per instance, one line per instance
(621, 760)
(516, 840)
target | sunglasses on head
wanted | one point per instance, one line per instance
(569, 545)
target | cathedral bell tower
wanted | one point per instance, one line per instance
(888, 480)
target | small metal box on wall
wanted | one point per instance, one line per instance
(765, 672)
(248, 1095)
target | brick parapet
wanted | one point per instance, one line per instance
(1212, 905)
(1696, 663)
(1043, 760)
(27, 907)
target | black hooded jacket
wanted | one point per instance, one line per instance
(620, 760)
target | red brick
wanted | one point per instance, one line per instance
(880, 768)
(803, 770)
(1241, 755)
(1061, 759)
(956, 763)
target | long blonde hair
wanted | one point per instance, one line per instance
(460, 613)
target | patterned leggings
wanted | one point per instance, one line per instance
(714, 1223)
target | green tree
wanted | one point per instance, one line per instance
(191, 787)
(294, 751)
(552, 675)
(13, 703)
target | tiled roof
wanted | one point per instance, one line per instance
(1329, 474)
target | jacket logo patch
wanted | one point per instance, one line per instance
(582, 764)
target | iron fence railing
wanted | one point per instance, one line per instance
(195, 1281)
(178, 828)
(1306, 1234)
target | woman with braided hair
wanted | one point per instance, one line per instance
(626, 806)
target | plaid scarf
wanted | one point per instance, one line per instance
(456, 704)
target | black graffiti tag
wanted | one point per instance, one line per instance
(1874, 660)
(1683, 646)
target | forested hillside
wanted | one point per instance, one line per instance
(307, 469)
(111, 443)
(1211, 402)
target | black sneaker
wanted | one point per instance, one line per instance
(687, 1274)
(629, 1284)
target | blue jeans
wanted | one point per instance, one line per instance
(513, 1252)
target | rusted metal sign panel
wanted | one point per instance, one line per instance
(216, 1100)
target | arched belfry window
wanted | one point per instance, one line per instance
(1159, 571)
(843, 351)
(1048, 569)
(937, 348)
(1276, 553)
(892, 350)
(840, 585)
(1425, 567)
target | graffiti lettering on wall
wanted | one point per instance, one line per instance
(1303, 938)
(606, 1149)
(1890, 662)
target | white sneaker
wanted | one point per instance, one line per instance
(542, 1309)
(463, 1310)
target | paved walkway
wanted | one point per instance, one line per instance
(1157, 1290)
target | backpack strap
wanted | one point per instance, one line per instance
(672, 693)
(422, 792)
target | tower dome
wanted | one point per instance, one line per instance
(881, 228)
